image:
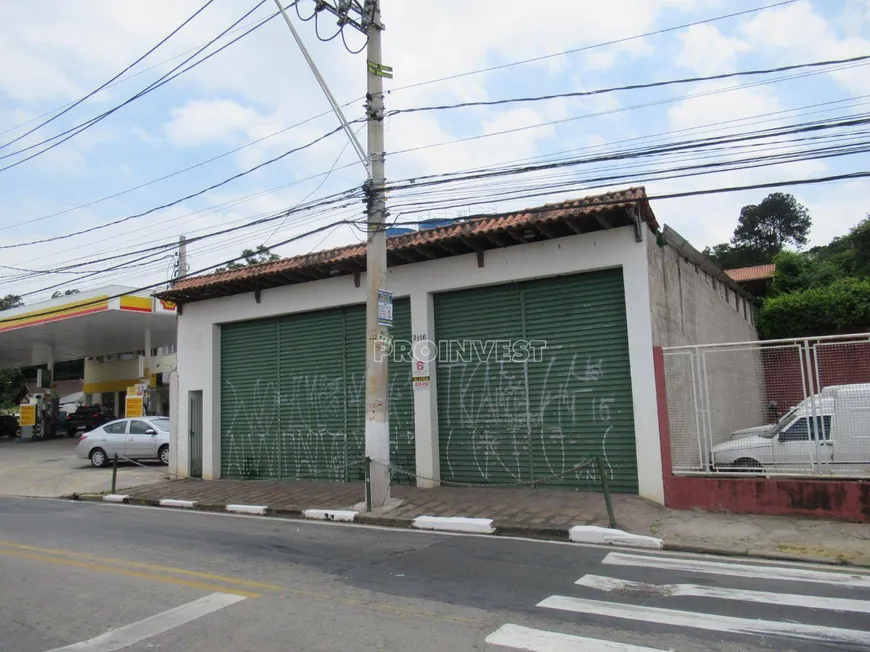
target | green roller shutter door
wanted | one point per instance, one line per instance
(249, 394)
(510, 421)
(294, 392)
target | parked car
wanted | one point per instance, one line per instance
(134, 439)
(86, 418)
(831, 428)
(8, 425)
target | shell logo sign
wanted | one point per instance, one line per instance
(164, 305)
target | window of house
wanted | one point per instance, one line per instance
(800, 430)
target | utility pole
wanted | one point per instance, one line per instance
(377, 425)
(181, 265)
(377, 369)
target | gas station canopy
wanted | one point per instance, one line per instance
(111, 320)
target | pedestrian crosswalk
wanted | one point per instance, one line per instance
(655, 597)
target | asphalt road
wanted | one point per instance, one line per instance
(88, 577)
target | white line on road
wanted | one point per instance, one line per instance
(699, 591)
(118, 639)
(706, 621)
(536, 640)
(739, 570)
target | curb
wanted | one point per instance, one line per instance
(449, 524)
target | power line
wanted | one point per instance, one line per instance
(176, 201)
(594, 46)
(161, 81)
(629, 87)
(152, 286)
(70, 107)
(168, 176)
(120, 81)
(633, 107)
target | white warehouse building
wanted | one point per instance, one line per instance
(544, 323)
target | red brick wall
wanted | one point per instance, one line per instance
(846, 500)
(839, 364)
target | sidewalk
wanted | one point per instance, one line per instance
(530, 513)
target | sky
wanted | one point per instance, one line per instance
(261, 91)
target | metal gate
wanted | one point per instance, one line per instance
(534, 378)
(779, 407)
(195, 420)
(293, 395)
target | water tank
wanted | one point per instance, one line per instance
(398, 231)
(436, 222)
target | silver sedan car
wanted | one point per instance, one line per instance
(134, 439)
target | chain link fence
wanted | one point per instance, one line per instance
(786, 407)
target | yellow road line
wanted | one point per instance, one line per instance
(136, 564)
(212, 588)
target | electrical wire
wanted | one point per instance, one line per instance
(5, 320)
(70, 107)
(72, 132)
(176, 201)
(630, 87)
(594, 46)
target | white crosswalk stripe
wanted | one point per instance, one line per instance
(711, 622)
(699, 591)
(517, 637)
(787, 573)
(784, 624)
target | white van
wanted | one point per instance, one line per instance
(831, 429)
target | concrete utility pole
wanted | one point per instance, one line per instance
(377, 426)
(377, 368)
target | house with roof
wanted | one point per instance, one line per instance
(756, 279)
(539, 327)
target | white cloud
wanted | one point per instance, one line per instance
(707, 51)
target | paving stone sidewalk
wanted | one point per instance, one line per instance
(540, 513)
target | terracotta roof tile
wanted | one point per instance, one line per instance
(197, 286)
(755, 273)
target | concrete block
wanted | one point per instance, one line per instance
(454, 524)
(607, 536)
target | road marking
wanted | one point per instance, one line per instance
(536, 640)
(711, 622)
(136, 564)
(699, 591)
(130, 573)
(738, 570)
(118, 639)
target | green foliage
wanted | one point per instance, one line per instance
(11, 301)
(763, 230)
(11, 381)
(251, 257)
(840, 307)
(766, 228)
(801, 271)
(728, 256)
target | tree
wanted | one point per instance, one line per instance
(766, 228)
(11, 381)
(763, 230)
(11, 301)
(251, 257)
(65, 293)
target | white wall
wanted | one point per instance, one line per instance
(199, 331)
